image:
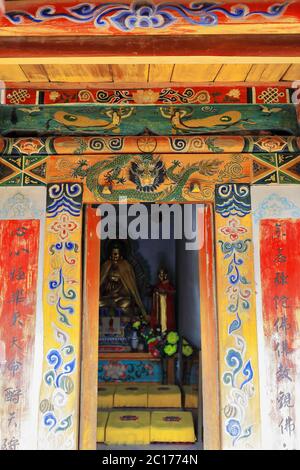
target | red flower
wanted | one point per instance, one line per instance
(233, 229)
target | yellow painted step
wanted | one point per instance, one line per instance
(125, 428)
(131, 395)
(172, 426)
(106, 396)
(164, 396)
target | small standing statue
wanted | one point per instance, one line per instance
(163, 314)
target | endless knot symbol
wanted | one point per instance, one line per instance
(271, 95)
(18, 96)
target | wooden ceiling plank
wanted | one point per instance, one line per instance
(233, 73)
(292, 73)
(273, 72)
(35, 73)
(130, 73)
(160, 73)
(195, 72)
(255, 73)
(78, 73)
(12, 73)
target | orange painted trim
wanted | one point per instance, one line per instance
(90, 332)
(209, 337)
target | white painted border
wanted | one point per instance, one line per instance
(30, 203)
(269, 202)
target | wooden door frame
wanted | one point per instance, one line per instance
(90, 330)
(209, 365)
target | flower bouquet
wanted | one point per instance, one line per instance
(163, 345)
(158, 344)
(137, 332)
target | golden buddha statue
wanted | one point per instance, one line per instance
(118, 288)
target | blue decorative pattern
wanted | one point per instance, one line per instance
(145, 14)
(64, 198)
(58, 378)
(58, 402)
(60, 293)
(238, 294)
(55, 359)
(233, 199)
(276, 206)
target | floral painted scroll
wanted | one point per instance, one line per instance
(239, 379)
(59, 396)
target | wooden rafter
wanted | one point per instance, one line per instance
(263, 49)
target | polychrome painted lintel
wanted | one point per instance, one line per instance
(92, 145)
(148, 17)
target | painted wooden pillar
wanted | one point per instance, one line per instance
(22, 214)
(209, 337)
(90, 332)
(59, 394)
(276, 231)
(238, 355)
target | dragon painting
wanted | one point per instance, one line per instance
(147, 172)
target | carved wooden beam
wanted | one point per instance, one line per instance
(170, 93)
(156, 32)
(127, 17)
(247, 49)
(200, 144)
(165, 120)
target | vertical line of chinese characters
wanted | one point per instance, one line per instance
(19, 246)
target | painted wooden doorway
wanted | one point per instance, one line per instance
(90, 333)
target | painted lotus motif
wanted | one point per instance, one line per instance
(63, 226)
(233, 229)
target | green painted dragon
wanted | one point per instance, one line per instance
(146, 171)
